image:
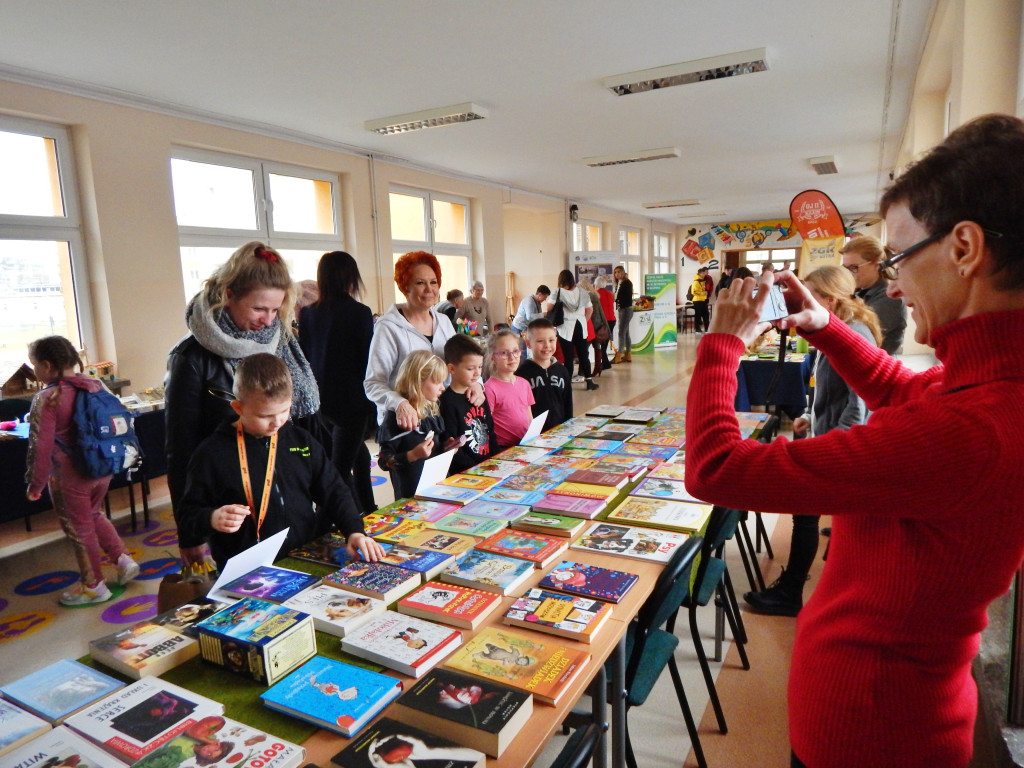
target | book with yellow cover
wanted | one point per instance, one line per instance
(399, 533)
(577, 618)
(585, 490)
(661, 513)
(473, 482)
(457, 544)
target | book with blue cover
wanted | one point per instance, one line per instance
(379, 580)
(270, 583)
(333, 695)
(512, 496)
(59, 689)
(495, 510)
(18, 726)
(589, 580)
(488, 571)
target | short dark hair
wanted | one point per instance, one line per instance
(460, 346)
(543, 290)
(566, 279)
(976, 174)
(539, 325)
(337, 275)
(263, 374)
(453, 294)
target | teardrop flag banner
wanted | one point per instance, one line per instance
(815, 216)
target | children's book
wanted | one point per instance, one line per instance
(58, 689)
(595, 477)
(489, 572)
(664, 488)
(456, 544)
(589, 581)
(528, 661)
(184, 618)
(552, 525)
(580, 453)
(590, 422)
(495, 468)
(59, 748)
(669, 471)
(535, 547)
(222, 743)
(400, 533)
(423, 561)
(335, 611)
(503, 495)
(267, 582)
(377, 523)
(524, 454)
(144, 715)
(548, 441)
(328, 549)
(634, 466)
(529, 481)
(470, 525)
(568, 462)
(450, 493)
(474, 712)
(495, 510)
(668, 437)
(606, 411)
(593, 445)
(661, 513)
(449, 604)
(639, 543)
(418, 509)
(144, 648)
(557, 613)
(333, 695)
(388, 742)
(659, 452)
(473, 482)
(638, 415)
(616, 430)
(18, 726)
(586, 491)
(261, 640)
(381, 581)
(407, 644)
(568, 428)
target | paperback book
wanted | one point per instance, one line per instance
(527, 661)
(422, 561)
(473, 482)
(474, 712)
(333, 695)
(589, 581)
(59, 689)
(639, 543)
(470, 525)
(267, 582)
(494, 510)
(452, 604)
(671, 438)
(552, 525)
(143, 716)
(221, 743)
(502, 495)
(669, 471)
(377, 523)
(590, 422)
(529, 482)
(664, 488)
(450, 494)
(596, 477)
(556, 613)
(580, 453)
(606, 411)
(144, 648)
(659, 452)
(489, 572)
(59, 748)
(495, 468)
(381, 581)
(418, 509)
(568, 462)
(586, 490)
(388, 742)
(184, 618)
(634, 466)
(661, 513)
(456, 544)
(18, 726)
(568, 428)
(524, 454)
(607, 433)
(407, 644)
(593, 445)
(335, 611)
(398, 534)
(638, 415)
(537, 548)
(547, 441)
(327, 549)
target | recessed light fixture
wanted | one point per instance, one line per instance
(823, 165)
(672, 204)
(427, 118)
(632, 157)
(696, 71)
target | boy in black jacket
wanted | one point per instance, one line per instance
(471, 424)
(548, 378)
(286, 469)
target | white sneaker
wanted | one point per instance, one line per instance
(577, 379)
(127, 569)
(83, 595)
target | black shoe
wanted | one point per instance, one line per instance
(777, 600)
(591, 386)
(826, 531)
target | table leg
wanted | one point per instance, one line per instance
(618, 667)
(599, 704)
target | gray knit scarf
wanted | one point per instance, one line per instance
(217, 332)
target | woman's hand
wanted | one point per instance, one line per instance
(801, 425)
(476, 393)
(406, 416)
(805, 313)
(738, 310)
(33, 495)
(421, 451)
(361, 545)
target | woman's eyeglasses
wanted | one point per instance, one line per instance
(888, 266)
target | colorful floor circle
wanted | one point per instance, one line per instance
(157, 569)
(22, 624)
(133, 552)
(377, 480)
(115, 589)
(45, 583)
(168, 537)
(125, 529)
(131, 610)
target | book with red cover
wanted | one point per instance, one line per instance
(450, 604)
(585, 490)
(535, 547)
(595, 477)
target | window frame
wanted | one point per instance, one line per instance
(581, 243)
(662, 262)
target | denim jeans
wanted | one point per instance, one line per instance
(622, 324)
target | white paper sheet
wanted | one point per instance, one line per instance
(535, 428)
(435, 469)
(263, 553)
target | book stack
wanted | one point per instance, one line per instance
(495, 468)
(60, 689)
(489, 572)
(511, 496)
(525, 454)
(634, 466)
(402, 531)
(604, 493)
(457, 544)
(184, 618)
(267, 582)
(404, 643)
(571, 506)
(547, 441)
(589, 581)
(535, 477)
(658, 452)
(664, 488)
(583, 443)
(452, 604)
(471, 525)
(377, 580)
(606, 411)
(144, 648)
(388, 742)
(494, 510)
(638, 415)
(671, 438)
(424, 562)
(473, 482)
(328, 549)
(451, 494)
(639, 543)
(537, 548)
(577, 618)
(551, 525)
(335, 611)
(669, 470)
(614, 480)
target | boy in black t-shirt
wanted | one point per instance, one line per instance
(548, 378)
(471, 424)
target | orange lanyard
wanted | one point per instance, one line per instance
(247, 484)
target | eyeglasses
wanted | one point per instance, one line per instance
(855, 268)
(508, 353)
(888, 266)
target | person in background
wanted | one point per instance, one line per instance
(862, 256)
(624, 310)
(509, 396)
(701, 316)
(476, 309)
(530, 308)
(335, 333)
(598, 322)
(572, 333)
(607, 299)
(548, 378)
(452, 303)
(471, 425)
(881, 671)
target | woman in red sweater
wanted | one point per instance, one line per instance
(927, 497)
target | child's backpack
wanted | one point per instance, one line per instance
(107, 443)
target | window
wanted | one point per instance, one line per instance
(629, 247)
(755, 260)
(41, 251)
(662, 256)
(436, 223)
(223, 202)
(586, 236)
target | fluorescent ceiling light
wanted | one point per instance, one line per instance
(704, 216)
(632, 157)
(823, 165)
(427, 118)
(698, 70)
(671, 204)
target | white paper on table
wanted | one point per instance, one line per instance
(435, 469)
(535, 428)
(264, 553)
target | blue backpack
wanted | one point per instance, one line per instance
(107, 443)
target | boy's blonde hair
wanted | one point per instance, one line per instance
(263, 374)
(418, 367)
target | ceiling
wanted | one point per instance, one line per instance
(839, 83)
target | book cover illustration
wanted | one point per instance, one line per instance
(661, 513)
(337, 696)
(58, 689)
(634, 466)
(217, 742)
(593, 445)
(377, 523)
(400, 533)
(495, 468)
(590, 422)
(59, 748)
(617, 430)
(401, 642)
(494, 510)
(552, 525)
(335, 610)
(606, 411)
(569, 429)
(664, 488)
(589, 580)
(580, 453)
(418, 509)
(585, 490)
(659, 452)
(457, 544)
(544, 471)
(380, 580)
(548, 441)
(558, 614)
(568, 462)
(528, 482)
(596, 477)
(641, 543)
(388, 742)
(450, 493)
(450, 604)
(268, 582)
(524, 454)
(669, 471)
(484, 570)
(470, 525)
(672, 438)
(504, 495)
(328, 549)
(422, 561)
(18, 726)
(145, 648)
(535, 547)
(474, 482)
(638, 415)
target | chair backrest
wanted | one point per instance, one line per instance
(721, 527)
(579, 749)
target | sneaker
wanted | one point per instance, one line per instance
(777, 600)
(127, 569)
(83, 595)
(591, 386)
(577, 379)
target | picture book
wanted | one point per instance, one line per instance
(58, 689)
(530, 482)
(335, 611)
(580, 453)
(528, 661)
(495, 510)
(552, 525)
(535, 547)
(184, 618)
(59, 747)
(474, 712)
(607, 433)
(557, 613)
(449, 604)
(398, 534)
(586, 490)
(504, 495)
(596, 477)
(144, 715)
(490, 572)
(18, 726)
(333, 695)
(593, 445)
(382, 581)
(407, 644)
(640, 543)
(671, 438)
(547, 441)
(470, 525)
(524, 454)
(423, 561)
(257, 639)
(589, 581)
(638, 415)
(590, 422)
(377, 523)
(326, 549)
(144, 648)
(606, 411)
(450, 494)
(457, 544)
(568, 462)
(634, 466)
(661, 513)
(568, 428)
(222, 743)
(473, 482)
(669, 471)
(664, 488)
(270, 583)
(659, 452)
(418, 509)
(495, 468)
(388, 742)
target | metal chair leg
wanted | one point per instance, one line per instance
(762, 536)
(691, 725)
(705, 668)
(747, 554)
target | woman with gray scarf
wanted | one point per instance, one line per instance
(245, 307)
